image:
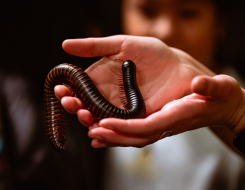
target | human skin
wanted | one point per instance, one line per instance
(180, 93)
(189, 25)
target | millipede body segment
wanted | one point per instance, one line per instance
(84, 88)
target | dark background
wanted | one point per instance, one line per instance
(31, 34)
(30, 46)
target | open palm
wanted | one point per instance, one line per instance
(161, 73)
(164, 74)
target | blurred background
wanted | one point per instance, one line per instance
(30, 46)
(31, 36)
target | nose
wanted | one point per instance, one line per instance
(163, 29)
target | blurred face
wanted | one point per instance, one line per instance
(189, 25)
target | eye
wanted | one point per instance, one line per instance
(148, 11)
(188, 13)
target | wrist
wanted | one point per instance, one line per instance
(240, 116)
(239, 129)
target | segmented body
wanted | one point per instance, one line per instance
(84, 88)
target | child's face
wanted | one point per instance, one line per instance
(189, 25)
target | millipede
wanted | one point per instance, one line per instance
(81, 84)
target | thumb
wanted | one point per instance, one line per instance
(217, 87)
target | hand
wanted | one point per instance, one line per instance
(163, 75)
(216, 101)
(161, 71)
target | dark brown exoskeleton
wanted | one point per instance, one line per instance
(84, 88)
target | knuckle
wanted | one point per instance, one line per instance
(230, 87)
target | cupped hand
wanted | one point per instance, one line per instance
(215, 101)
(165, 78)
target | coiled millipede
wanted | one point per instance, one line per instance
(84, 88)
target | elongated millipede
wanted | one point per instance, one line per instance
(84, 88)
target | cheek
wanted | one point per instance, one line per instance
(199, 42)
(134, 24)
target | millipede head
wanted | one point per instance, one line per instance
(129, 64)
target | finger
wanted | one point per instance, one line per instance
(99, 144)
(71, 104)
(134, 127)
(150, 126)
(85, 117)
(61, 91)
(91, 47)
(112, 138)
(218, 87)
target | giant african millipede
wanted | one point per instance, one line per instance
(84, 88)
